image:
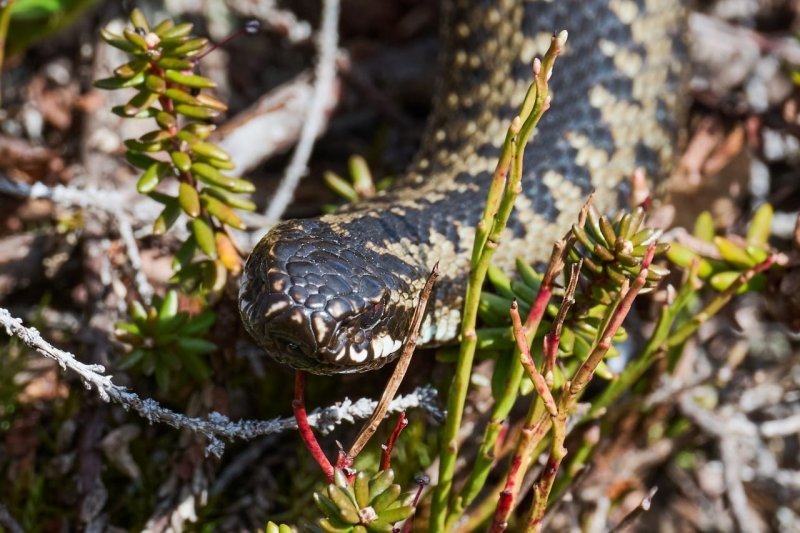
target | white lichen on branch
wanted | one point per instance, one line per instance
(216, 426)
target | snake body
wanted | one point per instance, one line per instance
(336, 293)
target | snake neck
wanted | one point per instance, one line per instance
(615, 108)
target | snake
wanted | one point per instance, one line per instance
(336, 294)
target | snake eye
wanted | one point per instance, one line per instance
(373, 312)
(292, 347)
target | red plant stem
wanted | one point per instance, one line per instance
(527, 361)
(539, 306)
(533, 431)
(543, 486)
(299, 408)
(422, 482)
(499, 523)
(530, 435)
(386, 456)
(344, 461)
(225, 41)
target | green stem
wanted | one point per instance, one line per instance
(714, 306)
(487, 238)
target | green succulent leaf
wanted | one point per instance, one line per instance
(190, 47)
(178, 31)
(118, 41)
(135, 39)
(169, 215)
(733, 253)
(204, 236)
(139, 20)
(760, 227)
(704, 227)
(195, 111)
(223, 212)
(189, 80)
(189, 199)
(116, 82)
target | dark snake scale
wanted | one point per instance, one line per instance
(336, 294)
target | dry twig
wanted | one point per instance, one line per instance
(400, 368)
(110, 202)
(325, 73)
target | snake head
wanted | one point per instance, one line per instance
(319, 305)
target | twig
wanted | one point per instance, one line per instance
(216, 426)
(535, 427)
(325, 73)
(399, 370)
(275, 18)
(744, 513)
(110, 202)
(553, 337)
(8, 521)
(486, 455)
(531, 435)
(573, 389)
(781, 428)
(640, 509)
(728, 432)
(272, 124)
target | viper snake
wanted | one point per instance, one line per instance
(335, 294)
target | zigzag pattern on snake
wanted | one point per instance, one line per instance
(336, 293)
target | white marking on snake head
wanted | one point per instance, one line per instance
(320, 327)
(377, 348)
(297, 316)
(358, 356)
(280, 305)
(390, 346)
(340, 353)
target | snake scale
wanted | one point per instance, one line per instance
(336, 294)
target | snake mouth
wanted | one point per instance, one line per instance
(375, 349)
(362, 336)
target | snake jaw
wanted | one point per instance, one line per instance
(316, 305)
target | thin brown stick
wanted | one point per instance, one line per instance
(399, 370)
(553, 337)
(640, 509)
